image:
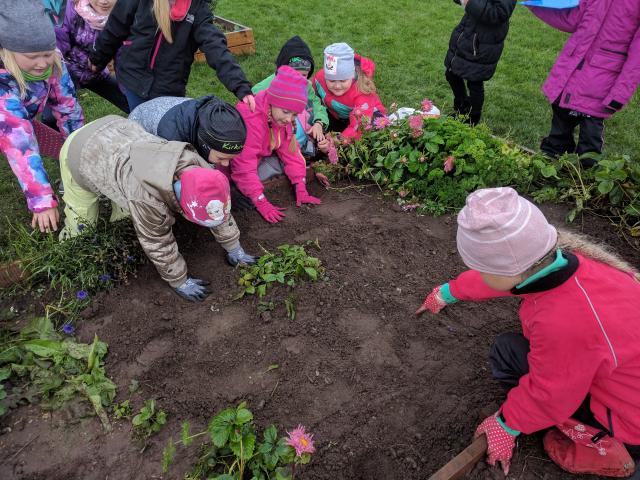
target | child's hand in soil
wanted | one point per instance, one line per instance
(193, 289)
(323, 180)
(269, 212)
(302, 196)
(500, 442)
(433, 303)
(323, 145)
(239, 256)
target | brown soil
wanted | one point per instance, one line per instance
(387, 395)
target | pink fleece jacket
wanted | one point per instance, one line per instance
(584, 337)
(244, 168)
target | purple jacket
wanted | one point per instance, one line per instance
(598, 70)
(75, 38)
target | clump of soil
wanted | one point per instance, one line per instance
(387, 395)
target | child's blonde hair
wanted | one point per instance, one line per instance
(293, 143)
(11, 65)
(575, 242)
(364, 83)
(162, 14)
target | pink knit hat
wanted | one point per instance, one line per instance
(204, 196)
(288, 90)
(501, 233)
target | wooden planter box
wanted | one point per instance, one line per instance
(239, 38)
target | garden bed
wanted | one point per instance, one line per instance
(239, 38)
(387, 395)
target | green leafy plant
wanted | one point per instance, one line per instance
(40, 363)
(232, 449)
(290, 305)
(433, 164)
(122, 410)
(149, 420)
(287, 265)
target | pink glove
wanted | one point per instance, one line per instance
(500, 443)
(269, 212)
(302, 196)
(434, 302)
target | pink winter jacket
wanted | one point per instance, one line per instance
(244, 168)
(584, 337)
(598, 70)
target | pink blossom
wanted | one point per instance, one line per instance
(402, 193)
(415, 122)
(301, 441)
(381, 122)
(416, 133)
(409, 207)
(333, 152)
(449, 163)
(427, 105)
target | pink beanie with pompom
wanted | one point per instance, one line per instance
(502, 233)
(288, 90)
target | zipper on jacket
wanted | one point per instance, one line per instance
(155, 50)
(475, 37)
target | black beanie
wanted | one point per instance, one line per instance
(220, 127)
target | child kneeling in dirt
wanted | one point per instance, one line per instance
(149, 179)
(271, 147)
(576, 365)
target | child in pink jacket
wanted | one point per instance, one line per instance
(270, 130)
(576, 364)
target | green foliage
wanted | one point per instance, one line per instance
(289, 264)
(122, 410)
(412, 163)
(290, 305)
(149, 420)
(233, 449)
(40, 363)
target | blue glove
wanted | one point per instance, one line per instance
(239, 256)
(193, 289)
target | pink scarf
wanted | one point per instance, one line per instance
(89, 15)
(179, 9)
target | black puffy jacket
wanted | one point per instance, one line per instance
(477, 42)
(180, 123)
(151, 67)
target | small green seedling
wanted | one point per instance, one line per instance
(122, 410)
(290, 304)
(149, 421)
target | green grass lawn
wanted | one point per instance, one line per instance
(408, 40)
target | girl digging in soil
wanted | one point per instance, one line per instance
(577, 363)
(475, 48)
(215, 128)
(596, 74)
(159, 39)
(345, 86)
(313, 121)
(271, 147)
(149, 179)
(32, 75)
(75, 37)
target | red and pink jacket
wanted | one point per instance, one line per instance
(584, 336)
(352, 105)
(244, 167)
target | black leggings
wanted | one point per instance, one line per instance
(466, 103)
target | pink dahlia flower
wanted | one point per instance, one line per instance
(301, 441)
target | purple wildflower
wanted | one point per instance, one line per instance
(105, 277)
(82, 295)
(68, 329)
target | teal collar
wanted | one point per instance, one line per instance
(558, 264)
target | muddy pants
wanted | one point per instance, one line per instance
(508, 361)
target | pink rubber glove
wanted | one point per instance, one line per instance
(269, 212)
(302, 196)
(500, 443)
(434, 302)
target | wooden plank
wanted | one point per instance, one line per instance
(248, 49)
(464, 462)
(239, 38)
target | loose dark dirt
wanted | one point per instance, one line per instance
(387, 395)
